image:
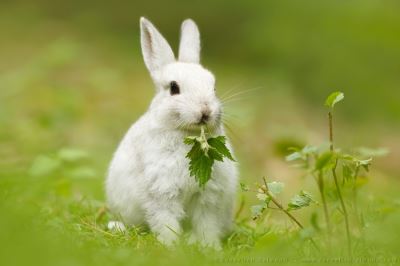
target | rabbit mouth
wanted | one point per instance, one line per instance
(204, 120)
(203, 123)
(209, 121)
(196, 126)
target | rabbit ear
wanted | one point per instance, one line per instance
(189, 47)
(156, 50)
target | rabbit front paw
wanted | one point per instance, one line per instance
(168, 237)
(206, 241)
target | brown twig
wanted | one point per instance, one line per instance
(101, 212)
(280, 206)
(273, 199)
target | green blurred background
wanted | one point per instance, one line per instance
(72, 80)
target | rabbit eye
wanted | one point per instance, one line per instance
(174, 88)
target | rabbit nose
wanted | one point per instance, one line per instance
(205, 115)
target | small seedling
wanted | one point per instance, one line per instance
(268, 193)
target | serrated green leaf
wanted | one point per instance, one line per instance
(293, 149)
(264, 197)
(257, 210)
(200, 164)
(334, 98)
(195, 151)
(358, 162)
(294, 156)
(244, 187)
(348, 172)
(303, 199)
(190, 140)
(214, 154)
(364, 163)
(302, 154)
(346, 156)
(203, 154)
(275, 187)
(219, 143)
(309, 149)
(261, 196)
(324, 160)
(200, 167)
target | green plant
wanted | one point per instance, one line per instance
(204, 152)
(267, 193)
(322, 164)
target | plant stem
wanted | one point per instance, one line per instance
(330, 131)
(203, 140)
(355, 204)
(321, 190)
(100, 213)
(202, 133)
(346, 217)
(240, 209)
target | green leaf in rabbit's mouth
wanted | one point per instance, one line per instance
(205, 151)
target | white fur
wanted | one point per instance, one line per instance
(148, 180)
(189, 47)
(116, 226)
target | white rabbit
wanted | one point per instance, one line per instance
(148, 180)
